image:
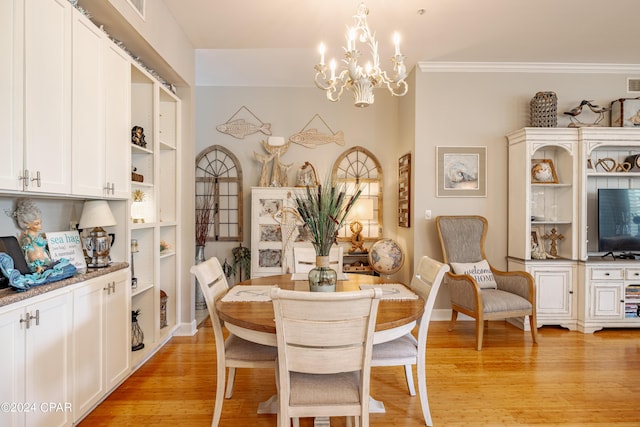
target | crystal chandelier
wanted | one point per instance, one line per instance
(361, 81)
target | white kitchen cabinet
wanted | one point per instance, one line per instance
(88, 112)
(47, 97)
(117, 84)
(101, 342)
(11, 84)
(36, 373)
(36, 105)
(100, 117)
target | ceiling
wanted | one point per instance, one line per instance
(275, 42)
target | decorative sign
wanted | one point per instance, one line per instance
(404, 191)
(67, 244)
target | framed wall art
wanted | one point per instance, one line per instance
(404, 191)
(543, 172)
(461, 171)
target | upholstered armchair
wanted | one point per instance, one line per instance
(477, 289)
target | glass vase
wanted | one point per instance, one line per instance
(322, 278)
(200, 303)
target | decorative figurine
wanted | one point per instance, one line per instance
(34, 244)
(575, 112)
(137, 136)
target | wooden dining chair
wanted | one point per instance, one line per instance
(407, 351)
(304, 258)
(324, 353)
(234, 352)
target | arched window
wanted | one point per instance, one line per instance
(218, 195)
(359, 168)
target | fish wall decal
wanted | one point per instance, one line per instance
(240, 128)
(311, 138)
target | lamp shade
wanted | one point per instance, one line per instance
(363, 210)
(96, 213)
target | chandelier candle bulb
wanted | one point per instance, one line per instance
(396, 42)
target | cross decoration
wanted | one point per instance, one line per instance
(554, 236)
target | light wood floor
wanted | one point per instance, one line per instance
(569, 379)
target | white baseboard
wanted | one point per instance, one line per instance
(187, 329)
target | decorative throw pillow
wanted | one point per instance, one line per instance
(480, 271)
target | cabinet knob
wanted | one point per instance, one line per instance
(607, 274)
(36, 318)
(25, 177)
(110, 188)
(111, 287)
(570, 292)
(37, 179)
(26, 320)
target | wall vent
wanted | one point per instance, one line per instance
(138, 5)
(633, 85)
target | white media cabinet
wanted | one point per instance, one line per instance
(580, 289)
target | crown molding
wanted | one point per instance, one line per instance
(527, 67)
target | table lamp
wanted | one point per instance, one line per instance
(362, 211)
(95, 215)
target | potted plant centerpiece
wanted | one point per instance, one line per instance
(324, 209)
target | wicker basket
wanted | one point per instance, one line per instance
(137, 177)
(544, 110)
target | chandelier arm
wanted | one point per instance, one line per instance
(401, 85)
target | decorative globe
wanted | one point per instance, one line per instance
(386, 256)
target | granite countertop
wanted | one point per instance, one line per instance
(10, 295)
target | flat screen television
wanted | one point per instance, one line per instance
(619, 220)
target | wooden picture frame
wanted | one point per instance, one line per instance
(536, 241)
(543, 172)
(404, 191)
(461, 171)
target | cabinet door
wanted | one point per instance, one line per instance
(12, 337)
(274, 229)
(87, 124)
(117, 329)
(11, 88)
(47, 95)
(606, 300)
(48, 367)
(554, 292)
(117, 83)
(88, 345)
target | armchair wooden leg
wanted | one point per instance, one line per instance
(533, 323)
(479, 333)
(454, 317)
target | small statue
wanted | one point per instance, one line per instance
(576, 111)
(137, 136)
(29, 219)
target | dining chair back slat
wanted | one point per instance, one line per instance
(330, 336)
